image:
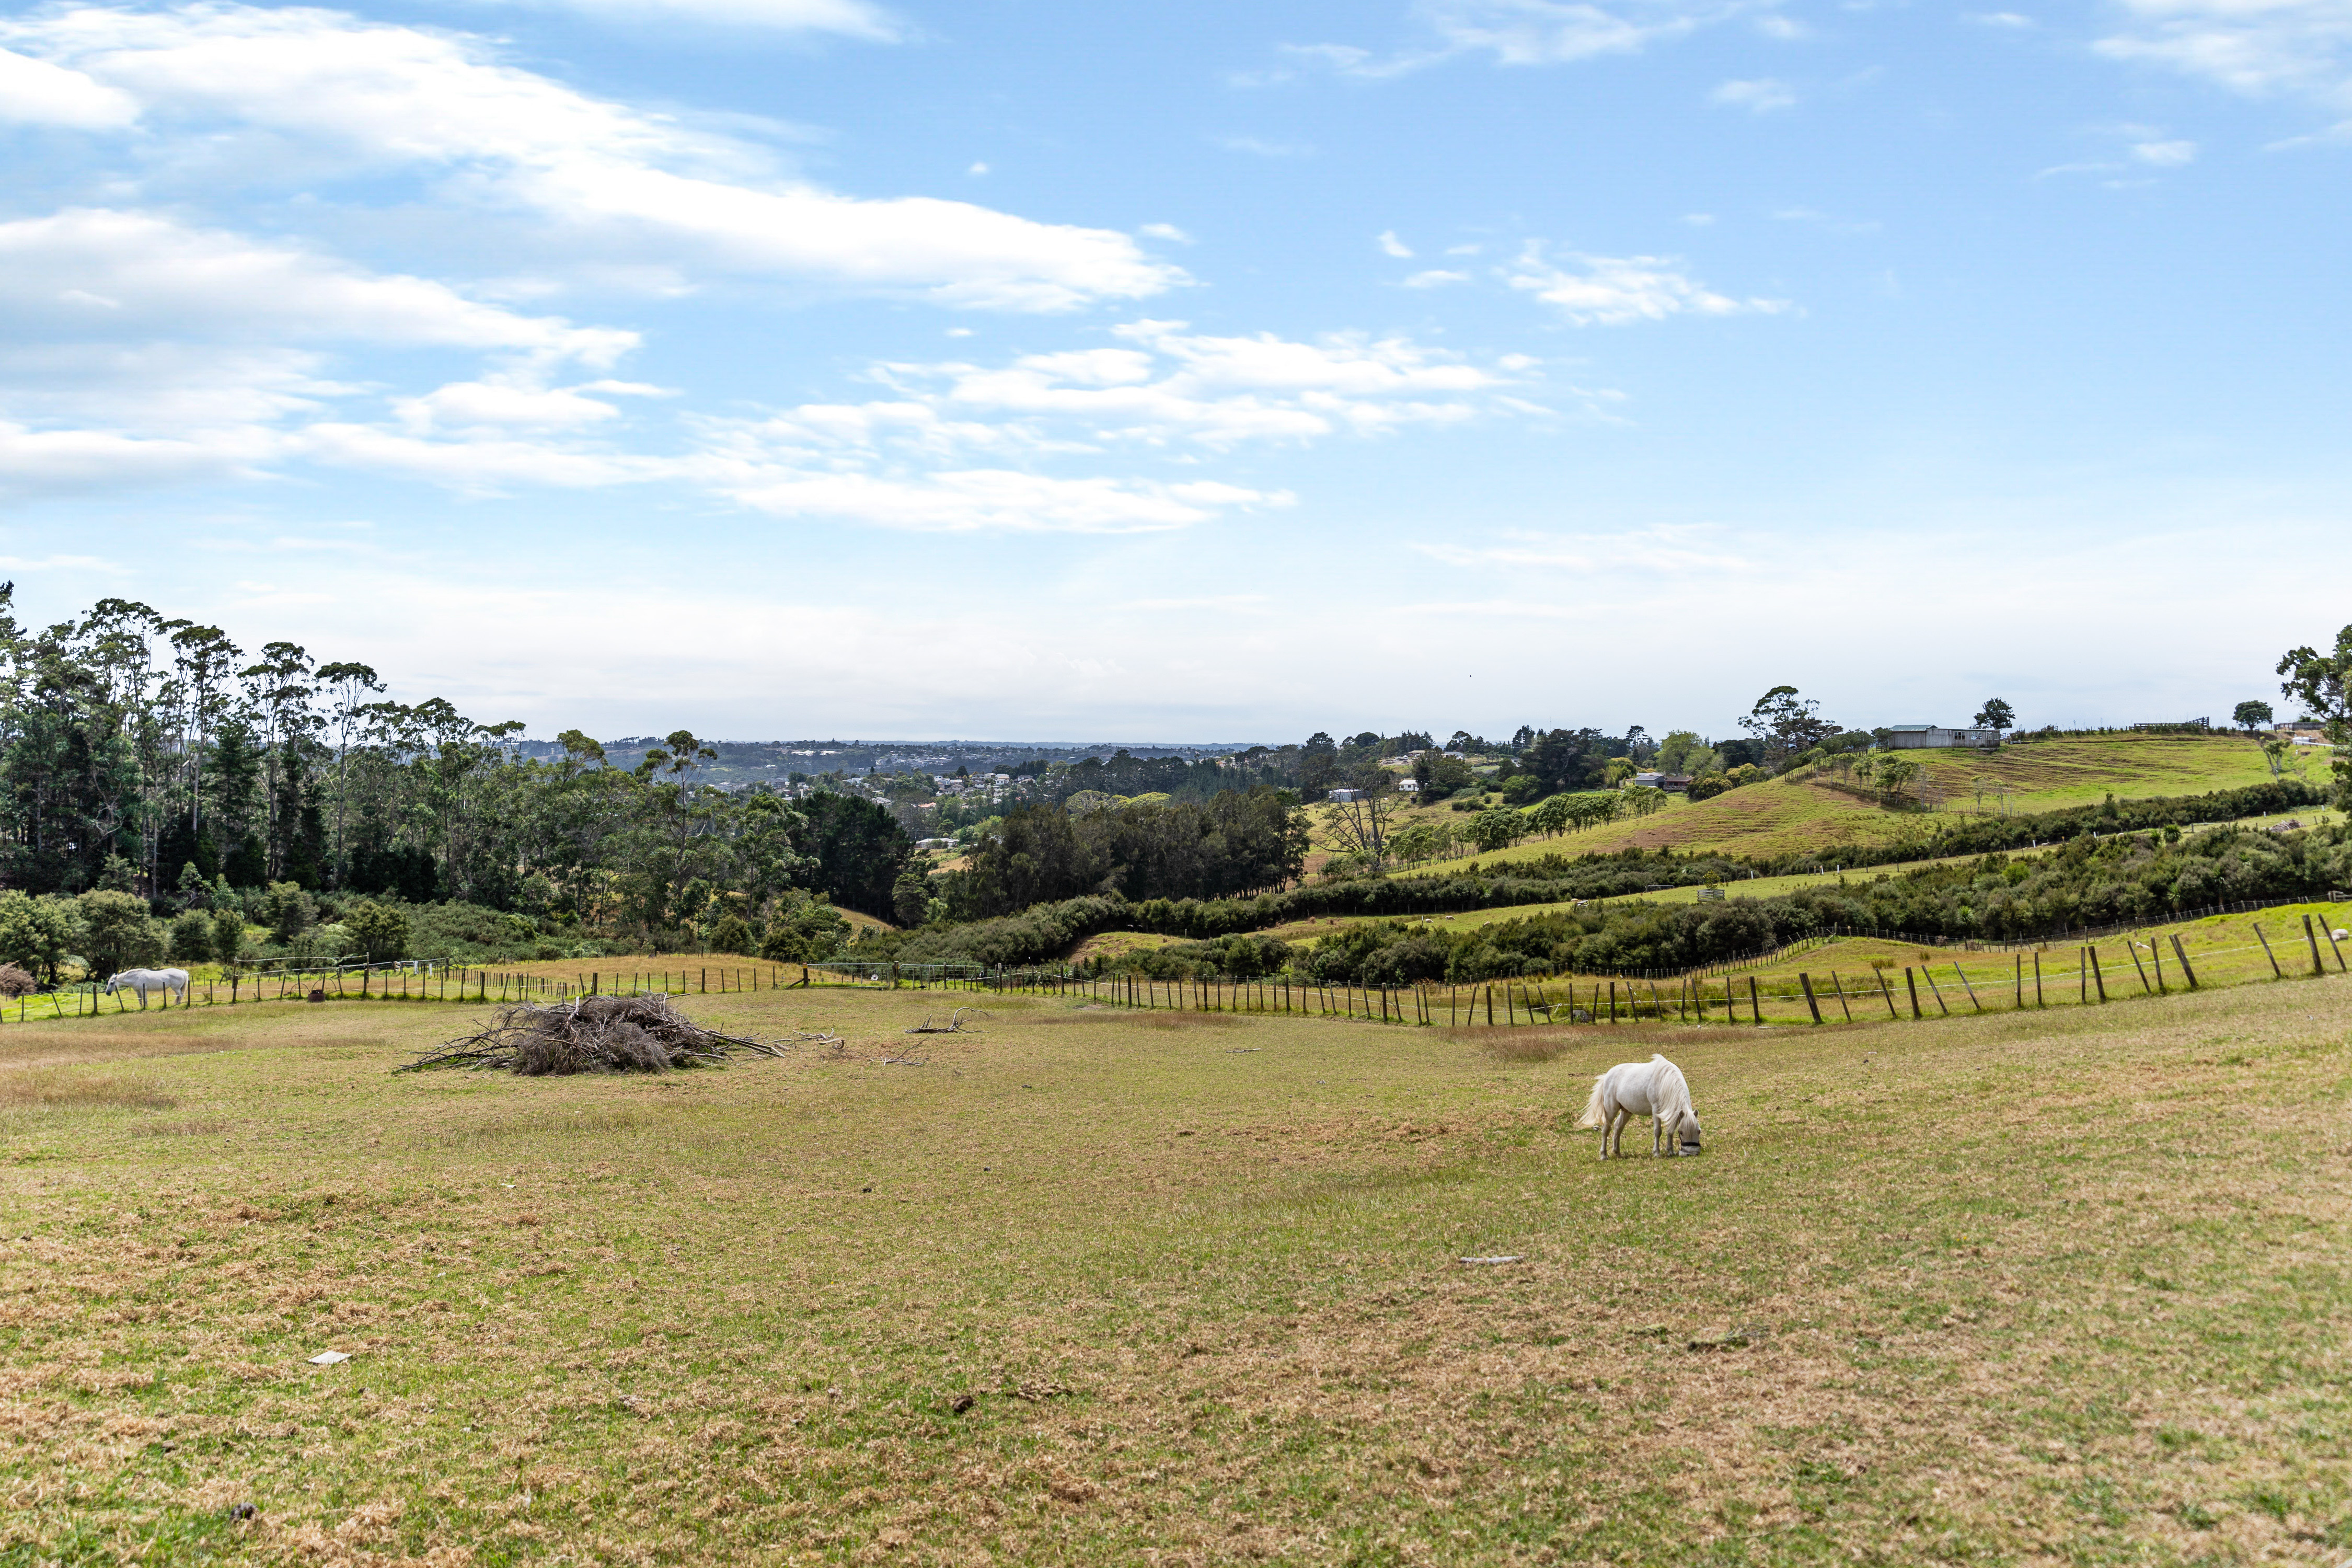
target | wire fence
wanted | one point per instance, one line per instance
(1703, 993)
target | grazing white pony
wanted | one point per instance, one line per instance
(168, 980)
(1654, 1089)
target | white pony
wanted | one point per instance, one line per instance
(1654, 1089)
(168, 980)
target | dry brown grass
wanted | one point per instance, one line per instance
(47, 1088)
(2012, 1289)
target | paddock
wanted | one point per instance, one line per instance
(1094, 1286)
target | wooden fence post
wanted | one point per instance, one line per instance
(2317, 967)
(1912, 982)
(1838, 987)
(2038, 1000)
(1812, 1005)
(2333, 946)
(2144, 986)
(1935, 990)
(2276, 973)
(2098, 976)
(1966, 987)
(2181, 953)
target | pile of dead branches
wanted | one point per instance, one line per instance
(600, 1034)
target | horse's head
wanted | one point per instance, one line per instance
(109, 986)
(1686, 1134)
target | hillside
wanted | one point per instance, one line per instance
(1793, 814)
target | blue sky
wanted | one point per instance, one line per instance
(784, 367)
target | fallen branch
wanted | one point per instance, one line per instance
(954, 1025)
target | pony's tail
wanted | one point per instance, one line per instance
(1592, 1116)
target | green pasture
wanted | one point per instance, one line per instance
(1091, 1286)
(1795, 814)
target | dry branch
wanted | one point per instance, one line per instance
(954, 1025)
(600, 1035)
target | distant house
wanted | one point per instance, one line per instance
(1408, 787)
(934, 843)
(1920, 737)
(1344, 795)
(1673, 784)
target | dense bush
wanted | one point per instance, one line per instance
(1233, 843)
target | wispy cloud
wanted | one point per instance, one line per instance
(1538, 32)
(848, 18)
(583, 181)
(2263, 48)
(1259, 146)
(1615, 290)
(1760, 96)
(1391, 246)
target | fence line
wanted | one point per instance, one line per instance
(1521, 1001)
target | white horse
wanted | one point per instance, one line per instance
(170, 981)
(1654, 1089)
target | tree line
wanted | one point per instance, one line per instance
(152, 756)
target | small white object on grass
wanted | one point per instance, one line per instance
(327, 1358)
(1508, 1258)
(2341, 934)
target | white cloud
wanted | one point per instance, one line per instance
(502, 404)
(89, 272)
(35, 92)
(1166, 385)
(2165, 155)
(849, 18)
(1167, 231)
(607, 185)
(1435, 277)
(2259, 47)
(1761, 96)
(903, 461)
(135, 350)
(994, 499)
(1391, 246)
(1538, 32)
(488, 463)
(1549, 32)
(54, 462)
(1613, 290)
(1997, 19)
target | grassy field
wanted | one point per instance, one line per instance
(1791, 815)
(1093, 1287)
(1309, 931)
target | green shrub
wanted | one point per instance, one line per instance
(118, 933)
(730, 933)
(229, 933)
(381, 931)
(192, 936)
